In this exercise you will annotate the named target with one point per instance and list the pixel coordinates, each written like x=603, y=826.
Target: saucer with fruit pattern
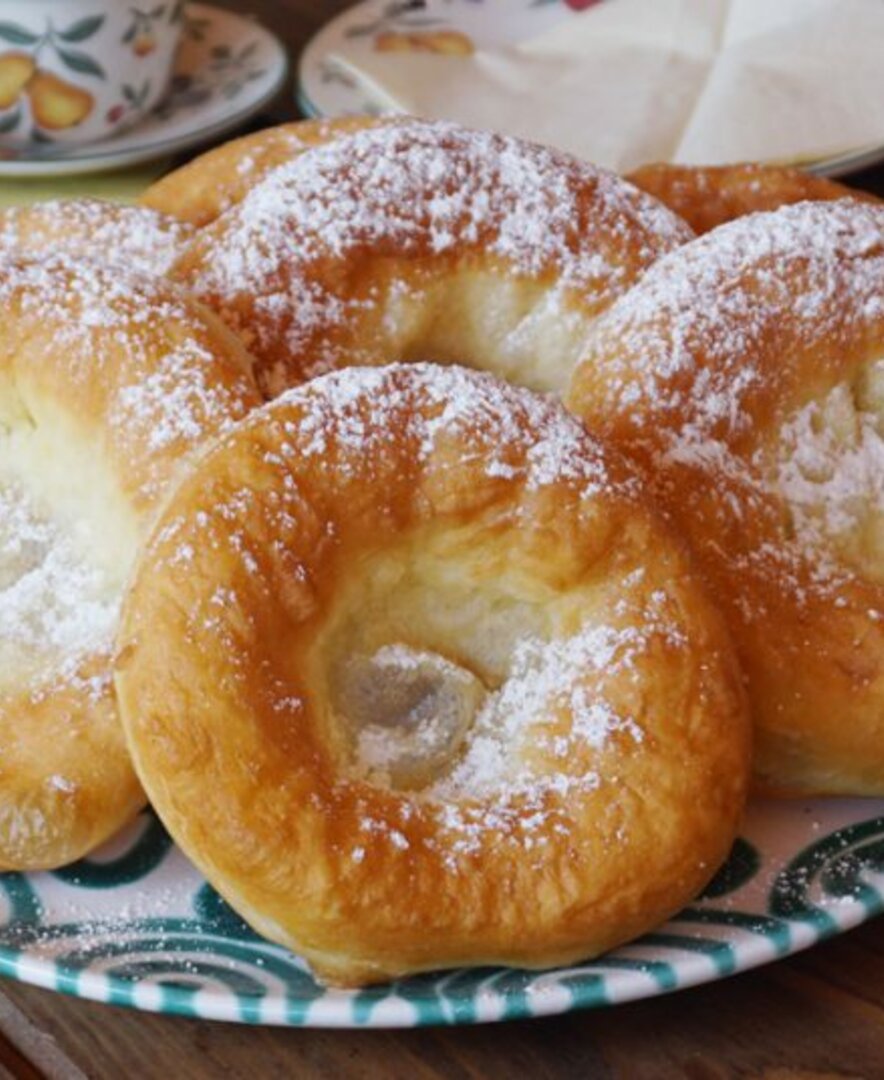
x=227, y=68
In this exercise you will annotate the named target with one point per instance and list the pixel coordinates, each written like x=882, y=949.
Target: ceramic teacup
x=76, y=71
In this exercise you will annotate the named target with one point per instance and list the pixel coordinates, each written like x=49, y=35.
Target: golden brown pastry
x=140, y=239
x=204, y=188
x=426, y=241
x=745, y=373
x=417, y=678
x=108, y=381
x=708, y=196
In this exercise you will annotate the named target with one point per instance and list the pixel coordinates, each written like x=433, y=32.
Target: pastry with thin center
x=426, y=241
x=745, y=374
x=108, y=383
x=418, y=679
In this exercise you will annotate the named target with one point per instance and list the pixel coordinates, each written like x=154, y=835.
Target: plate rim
x=329, y=1014
x=393, y=1006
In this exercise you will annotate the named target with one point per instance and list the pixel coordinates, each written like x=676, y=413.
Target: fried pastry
x=426, y=241
x=418, y=679
x=708, y=196
x=139, y=239
x=744, y=373
x=204, y=188
x=109, y=381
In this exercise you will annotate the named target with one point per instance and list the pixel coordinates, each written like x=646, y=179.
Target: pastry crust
x=108, y=382
x=426, y=241
x=708, y=196
x=571, y=766
x=140, y=239
x=745, y=373
x=204, y=188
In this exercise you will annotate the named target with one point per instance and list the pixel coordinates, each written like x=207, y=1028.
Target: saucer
x=228, y=67
x=327, y=87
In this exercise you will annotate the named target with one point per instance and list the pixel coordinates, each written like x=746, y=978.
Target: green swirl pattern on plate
x=136, y=925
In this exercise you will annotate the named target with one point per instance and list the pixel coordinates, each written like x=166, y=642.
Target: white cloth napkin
x=631, y=81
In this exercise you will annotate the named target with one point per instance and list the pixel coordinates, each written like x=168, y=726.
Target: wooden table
x=815, y=1016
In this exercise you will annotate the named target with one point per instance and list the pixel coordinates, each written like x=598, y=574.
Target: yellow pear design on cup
x=56, y=104
x=77, y=72
x=16, y=69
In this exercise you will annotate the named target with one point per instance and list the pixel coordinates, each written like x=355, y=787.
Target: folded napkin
x=629, y=81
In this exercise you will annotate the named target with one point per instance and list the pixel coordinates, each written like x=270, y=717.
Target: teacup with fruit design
x=77, y=71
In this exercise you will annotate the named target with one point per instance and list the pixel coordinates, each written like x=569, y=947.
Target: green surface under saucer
x=119, y=186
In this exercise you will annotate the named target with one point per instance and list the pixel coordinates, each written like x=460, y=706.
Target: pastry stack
x=439, y=532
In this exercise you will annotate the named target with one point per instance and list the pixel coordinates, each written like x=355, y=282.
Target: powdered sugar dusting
x=735, y=319
x=529, y=436
x=54, y=602
x=140, y=338
x=414, y=189
x=78, y=293
x=138, y=354
x=179, y=399
x=527, y=752
x=535, y=745
x=547, y=678
x=136, y=237
x=701, y=316
x=484, y=758
x=831, y=474
x=350, y=422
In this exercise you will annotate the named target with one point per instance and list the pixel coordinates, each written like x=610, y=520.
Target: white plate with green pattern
x=136, y=925
x=227, y=68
